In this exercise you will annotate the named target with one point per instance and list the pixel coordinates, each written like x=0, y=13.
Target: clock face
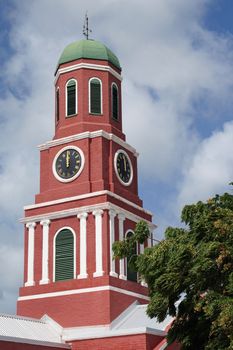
x=123, y=167
x=68, y=164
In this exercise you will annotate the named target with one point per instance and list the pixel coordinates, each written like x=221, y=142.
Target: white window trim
x=89, y=96
x=126, y=267
x=76, y=98
x=54, y=249
x=57, y=116
x=118, y=118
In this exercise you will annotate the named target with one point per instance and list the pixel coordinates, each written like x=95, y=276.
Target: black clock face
x=68, y=163
x=123, y=167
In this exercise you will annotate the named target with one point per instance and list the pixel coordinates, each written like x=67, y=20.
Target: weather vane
x=86, y=29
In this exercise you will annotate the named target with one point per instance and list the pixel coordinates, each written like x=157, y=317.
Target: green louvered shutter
x=131, y=273
x=64, y=259
x=114, y=102
x=71, y=98
x=95, y=97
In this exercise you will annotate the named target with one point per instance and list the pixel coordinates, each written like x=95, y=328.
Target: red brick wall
x=129, y=342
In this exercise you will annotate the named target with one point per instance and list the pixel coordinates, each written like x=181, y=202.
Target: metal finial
x=86, y=29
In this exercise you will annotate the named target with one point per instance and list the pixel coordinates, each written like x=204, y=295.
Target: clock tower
x=88, y=199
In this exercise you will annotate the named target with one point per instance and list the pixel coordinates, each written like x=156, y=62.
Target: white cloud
x=211, y=169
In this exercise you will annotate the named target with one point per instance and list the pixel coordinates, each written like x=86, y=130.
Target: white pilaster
x=45, y=252
x=149, y=240
x=31, y=238
x=83, y=245
x=98, y=243
x=112, y=215
x=121, y=218
x=142, y=248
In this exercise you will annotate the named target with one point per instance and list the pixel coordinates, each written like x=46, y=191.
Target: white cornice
x=85, y=135
x=104, y=332
x=82, y=291
x=33, y=342
x=84, y=196
x=88, y=209
x=87, y=66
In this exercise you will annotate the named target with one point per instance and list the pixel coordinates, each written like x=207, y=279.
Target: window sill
x=96, y=114
x=72, y=115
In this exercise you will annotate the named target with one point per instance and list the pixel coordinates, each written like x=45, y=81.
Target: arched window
x=57, y=105
x=130, y=271
x=71, y=97
x=95, y=96
x=115, y=102
x=64, y=255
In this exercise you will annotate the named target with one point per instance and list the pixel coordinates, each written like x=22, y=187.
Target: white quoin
x=98, y=243
x=45, y=252
x=30, y=268
x=121, y=218
x=83, y=245
x=112, y=215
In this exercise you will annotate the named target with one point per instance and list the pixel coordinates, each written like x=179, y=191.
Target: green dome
x=88, y=49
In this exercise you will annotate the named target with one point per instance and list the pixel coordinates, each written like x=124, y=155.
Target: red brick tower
x=88, y=199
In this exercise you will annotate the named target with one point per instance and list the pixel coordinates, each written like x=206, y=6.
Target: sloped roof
x=30, y=330
x=136, y=317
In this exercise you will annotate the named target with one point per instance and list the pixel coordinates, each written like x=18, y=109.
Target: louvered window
x=95, y=96
x=114, y=102
x=57, y=105
x=64, y=255
x=71, y=99
x=131, y=273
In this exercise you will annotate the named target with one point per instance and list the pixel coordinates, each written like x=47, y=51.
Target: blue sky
x=177, y=60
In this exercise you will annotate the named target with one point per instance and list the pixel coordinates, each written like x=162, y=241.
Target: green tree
x=190, y=274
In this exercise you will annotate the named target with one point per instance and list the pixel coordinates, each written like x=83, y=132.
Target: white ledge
x=91, y=135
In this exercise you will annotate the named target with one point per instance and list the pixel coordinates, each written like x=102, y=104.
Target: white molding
x=83, y=245
x=89, y=97
x=112, y=213
x=45, y=252
x=82, y=333
x=31, y=254
x=84, y=196
x=91, y=135
x=87, y=66
x=80, y=169
x=83, y=291
x=75, y=211
x=54, y=249
x=33, y=342
x=98, y=243
x=130, y=164
x=76, y=99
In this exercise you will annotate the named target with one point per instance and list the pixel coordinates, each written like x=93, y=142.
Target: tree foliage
x=190, y=275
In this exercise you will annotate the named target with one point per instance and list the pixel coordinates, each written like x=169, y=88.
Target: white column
x=45, y=252
x=112, y=215
x=83, y=245
x=142, y=248
x=149, y=239
x=31, y=237
x=121, y=218
x=98, y=243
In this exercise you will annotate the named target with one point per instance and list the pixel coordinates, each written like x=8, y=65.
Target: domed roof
x=88, y=49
